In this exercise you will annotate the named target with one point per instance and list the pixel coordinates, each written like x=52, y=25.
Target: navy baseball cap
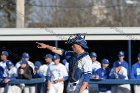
x=56, y=56
x=37, y=64
x=9, y=63
x=25, y=55
x=93, y=54
x=118, y=63
x=138, y=55
x=105, y=61
x=121, y=53
x=49, y=56
x=5, y=53
x=23, y=62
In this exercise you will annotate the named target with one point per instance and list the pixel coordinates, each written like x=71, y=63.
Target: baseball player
x=103, y=73
x=26, y=72
x=80, y=63
x=2, y=85
x=4, y=58
x=93, y=88
x=25, y=56
x=38, y=74
x=119, y=72
x=11, y=74
x=57, y=74
x=135, y=73
x=121, y=56
x=44, y=67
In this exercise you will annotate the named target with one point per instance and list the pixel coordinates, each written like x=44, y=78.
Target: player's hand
x=117, y=70
x=41, y=45
x=21, y=71
x=56, y=81
x=48, y=88
x=6, y=80
x=96, y=76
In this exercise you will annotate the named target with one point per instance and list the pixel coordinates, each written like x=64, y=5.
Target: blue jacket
x=103, y=74
x=135, y=71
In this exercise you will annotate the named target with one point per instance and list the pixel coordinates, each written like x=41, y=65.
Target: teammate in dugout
x=121, y=56
x=80, y=63
x=4, y=58
x=93, y=88
x=119, y=72
x=103, y=73
x=57, y=74
x=135, y=73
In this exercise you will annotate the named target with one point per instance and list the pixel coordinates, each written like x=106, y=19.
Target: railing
x=100, y=81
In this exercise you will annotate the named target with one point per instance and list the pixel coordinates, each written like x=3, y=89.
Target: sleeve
x=41, y=75
x=87, y=70
x=65, y=73
x=111, y=74
x=14, y=74
x=123, y=75
x=132, y=73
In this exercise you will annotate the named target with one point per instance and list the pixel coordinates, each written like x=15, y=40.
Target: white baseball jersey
x=96, y=65
x=11, y=73
x=57, y=71
x=3, y=64
x=29, y=63
x=44, y=68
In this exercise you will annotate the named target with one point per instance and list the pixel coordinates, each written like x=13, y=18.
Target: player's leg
x=15, y=89
x=2, y=90
x=124, y=88
x=52, y=89
x=137, y=88
x=60, y=87
x=32, y=89
x=26, y=89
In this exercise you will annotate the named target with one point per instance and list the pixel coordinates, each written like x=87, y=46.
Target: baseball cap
x=9, y=63
x=5, y=53
x=121, y=53
x=105, y=61
x=37, y=65
x=23, y=61
x=93, y=54
x=25, y=55
x=56, y=56
x=118, y=63
x=49, y=56
x=138, y=55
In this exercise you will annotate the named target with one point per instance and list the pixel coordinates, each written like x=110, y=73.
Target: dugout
x=105, y=41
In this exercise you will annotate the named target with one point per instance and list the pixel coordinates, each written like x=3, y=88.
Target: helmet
x=77, y=39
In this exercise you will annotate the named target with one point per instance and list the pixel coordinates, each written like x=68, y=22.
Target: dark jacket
x=28, y=73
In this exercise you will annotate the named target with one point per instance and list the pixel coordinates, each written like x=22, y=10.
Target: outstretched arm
x=51, y=48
